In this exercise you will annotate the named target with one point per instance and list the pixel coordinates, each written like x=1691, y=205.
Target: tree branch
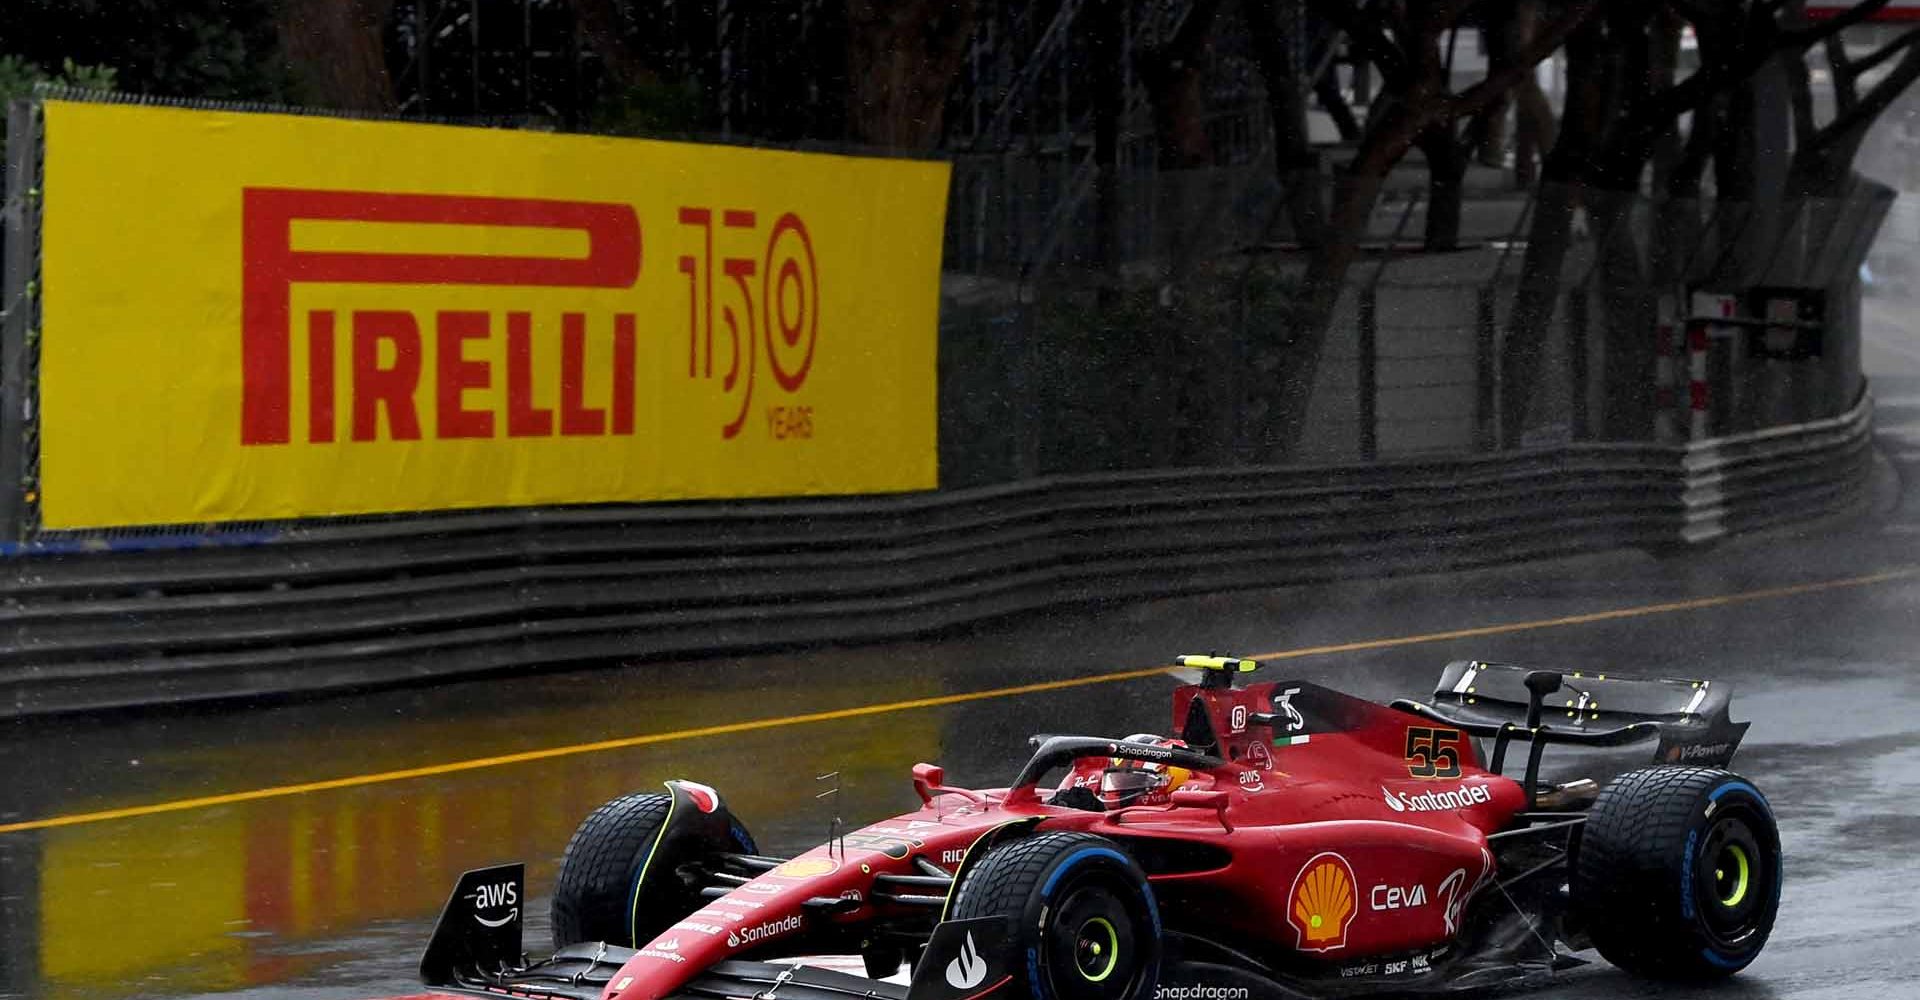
x=1690, y=12
x=1883, y=53
x=1362, y=28
x=1193, y=29
x=1804, y=38
x=1877, y=98
x=1542, y=45
x=1845, y=85
x=1690, y=93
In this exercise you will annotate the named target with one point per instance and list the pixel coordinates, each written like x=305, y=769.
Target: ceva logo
x=967, y=969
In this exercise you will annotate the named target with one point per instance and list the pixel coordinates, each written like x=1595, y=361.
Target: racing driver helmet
x=1125, y=782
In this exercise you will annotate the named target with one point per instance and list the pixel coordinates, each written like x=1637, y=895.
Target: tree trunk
x=901, y=59
x=1446, y=171
x=1487, y=137
x=1551, y=233
x=1356, y=192
x=1171, y=73
x=601, y=25
x=336, y=52
x=1663, y=59
x=1294, y=160
x=1103, y=43
x=1627, y=325
x=1327, y=89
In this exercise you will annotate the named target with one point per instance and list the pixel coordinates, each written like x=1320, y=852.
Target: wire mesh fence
x=1125, y=318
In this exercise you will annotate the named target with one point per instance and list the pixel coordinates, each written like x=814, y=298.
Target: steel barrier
x=377, y=602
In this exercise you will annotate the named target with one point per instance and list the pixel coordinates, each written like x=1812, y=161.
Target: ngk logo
x=752, y=291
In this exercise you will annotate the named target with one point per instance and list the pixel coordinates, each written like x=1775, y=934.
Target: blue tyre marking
x=1686, y=876
x=1744, y=787
x=1074, y=858
x=1736, y=964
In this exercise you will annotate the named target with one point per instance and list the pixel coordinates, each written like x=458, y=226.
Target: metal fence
x=1165, y=347
x=341, y=605
x=1106, y=432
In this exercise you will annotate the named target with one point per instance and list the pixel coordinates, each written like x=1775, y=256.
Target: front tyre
x=618, y=880
x=1678, y=874
x=1079, y=907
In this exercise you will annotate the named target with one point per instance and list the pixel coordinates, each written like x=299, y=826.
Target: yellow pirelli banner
x=253, y=317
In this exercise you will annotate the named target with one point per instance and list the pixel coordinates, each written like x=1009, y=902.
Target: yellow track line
x=753, y=725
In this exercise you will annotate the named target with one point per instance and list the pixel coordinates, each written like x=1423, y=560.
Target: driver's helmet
x=1125, y=782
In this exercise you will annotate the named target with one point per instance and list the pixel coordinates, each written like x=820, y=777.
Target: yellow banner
x=251, y=317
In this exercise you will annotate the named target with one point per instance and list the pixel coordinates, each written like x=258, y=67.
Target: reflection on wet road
x=328, y=891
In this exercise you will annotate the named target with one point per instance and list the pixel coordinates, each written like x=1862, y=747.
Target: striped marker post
x=1707, y=307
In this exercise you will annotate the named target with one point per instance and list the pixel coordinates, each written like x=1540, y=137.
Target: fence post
x=1486, y=394
x=1666, y=309
x=1369, y=375
x=1581, y=423
x=19, y=309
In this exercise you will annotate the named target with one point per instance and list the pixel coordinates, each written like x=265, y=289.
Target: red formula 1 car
x=1287, y=840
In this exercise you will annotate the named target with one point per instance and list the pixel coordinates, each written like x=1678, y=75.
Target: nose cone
x=770, y=912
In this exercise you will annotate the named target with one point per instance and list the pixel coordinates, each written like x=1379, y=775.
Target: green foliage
x=18, y=77
x=653, y=108
x=222, y=49
x=1085, y=379
x=1162, y=377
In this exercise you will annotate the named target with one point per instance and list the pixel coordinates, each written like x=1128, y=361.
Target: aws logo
x=1322, y=903
x=492, y=897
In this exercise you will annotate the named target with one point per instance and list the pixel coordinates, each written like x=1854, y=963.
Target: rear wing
x=1545, y=707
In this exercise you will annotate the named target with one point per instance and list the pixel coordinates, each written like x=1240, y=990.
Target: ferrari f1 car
x=1287, y=840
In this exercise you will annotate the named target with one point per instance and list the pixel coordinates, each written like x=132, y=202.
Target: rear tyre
x=618, y=881
x=1678, y=874
x=1082, y=914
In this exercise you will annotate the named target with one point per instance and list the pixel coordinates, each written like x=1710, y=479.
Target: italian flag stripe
x=1293, y=741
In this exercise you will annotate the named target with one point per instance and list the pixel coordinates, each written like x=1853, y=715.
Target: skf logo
x=767, y=303
x=1322, y=903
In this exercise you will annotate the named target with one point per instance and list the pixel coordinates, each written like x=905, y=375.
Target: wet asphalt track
x=328, y=893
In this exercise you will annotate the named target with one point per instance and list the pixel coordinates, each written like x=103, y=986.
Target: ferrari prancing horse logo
x=1322, y=903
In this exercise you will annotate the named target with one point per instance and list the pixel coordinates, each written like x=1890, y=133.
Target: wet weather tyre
x=612, y=887
x=1678, y=873
x=1082, y=914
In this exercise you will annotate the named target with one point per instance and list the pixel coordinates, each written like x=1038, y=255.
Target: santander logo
x=967, y=969
x=1442, y=800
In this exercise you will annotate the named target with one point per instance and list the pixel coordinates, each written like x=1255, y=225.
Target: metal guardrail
x=329, y=606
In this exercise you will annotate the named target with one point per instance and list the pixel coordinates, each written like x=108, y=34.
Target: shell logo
x=807, y=868
x=1322, y=903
